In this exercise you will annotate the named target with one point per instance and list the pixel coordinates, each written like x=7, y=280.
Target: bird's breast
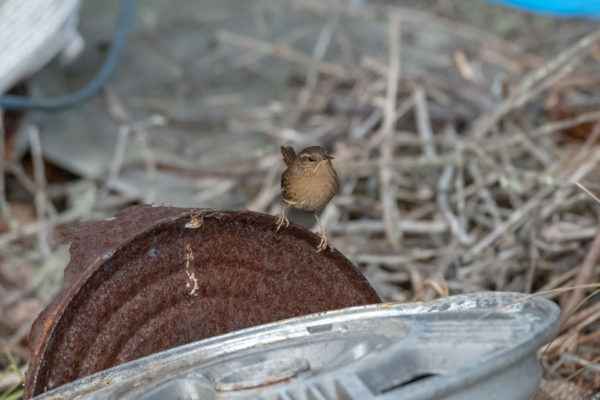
x=309, y=191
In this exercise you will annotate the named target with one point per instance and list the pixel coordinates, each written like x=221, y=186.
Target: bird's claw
x=323, y=244
x=282, y=220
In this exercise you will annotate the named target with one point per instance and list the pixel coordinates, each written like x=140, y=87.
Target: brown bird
x=308, y=183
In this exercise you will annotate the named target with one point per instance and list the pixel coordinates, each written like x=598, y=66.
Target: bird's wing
x=289, y=155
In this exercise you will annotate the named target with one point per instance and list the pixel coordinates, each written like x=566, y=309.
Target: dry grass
x=459, y=152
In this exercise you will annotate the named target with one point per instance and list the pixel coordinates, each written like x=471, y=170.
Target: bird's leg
x=323, y=244
x=282, y=219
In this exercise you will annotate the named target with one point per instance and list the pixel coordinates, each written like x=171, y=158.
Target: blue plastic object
x=562, y=8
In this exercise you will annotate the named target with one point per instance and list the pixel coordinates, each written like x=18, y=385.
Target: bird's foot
x=323, y=244
x=282, y=220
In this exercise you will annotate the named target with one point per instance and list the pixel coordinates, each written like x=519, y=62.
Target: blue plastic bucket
x=563, y=8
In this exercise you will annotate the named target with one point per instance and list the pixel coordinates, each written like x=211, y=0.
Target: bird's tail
x=289, y=155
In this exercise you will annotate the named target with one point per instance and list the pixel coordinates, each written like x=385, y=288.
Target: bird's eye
x=311, y=159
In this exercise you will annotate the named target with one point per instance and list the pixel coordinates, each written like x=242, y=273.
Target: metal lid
x=461, y=347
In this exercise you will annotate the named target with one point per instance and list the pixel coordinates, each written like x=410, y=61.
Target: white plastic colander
x=33, y=32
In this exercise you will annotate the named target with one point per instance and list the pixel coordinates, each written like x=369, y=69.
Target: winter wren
x=308, y=183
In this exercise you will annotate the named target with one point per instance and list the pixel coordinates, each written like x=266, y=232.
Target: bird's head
x=312, y=158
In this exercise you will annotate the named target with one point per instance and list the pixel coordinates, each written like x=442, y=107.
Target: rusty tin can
x=154, y=278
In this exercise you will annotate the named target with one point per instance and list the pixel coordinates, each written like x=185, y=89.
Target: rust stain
x=192, y=281
x=144, y=381
x=195, y=221
x=47, y=326
x=123, y=296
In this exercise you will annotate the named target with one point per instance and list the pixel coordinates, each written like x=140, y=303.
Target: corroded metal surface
x=158, y=277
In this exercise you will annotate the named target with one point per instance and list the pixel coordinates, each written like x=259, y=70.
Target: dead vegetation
x=460, y=144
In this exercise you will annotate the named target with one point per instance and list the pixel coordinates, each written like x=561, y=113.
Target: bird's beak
x=329, y=157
